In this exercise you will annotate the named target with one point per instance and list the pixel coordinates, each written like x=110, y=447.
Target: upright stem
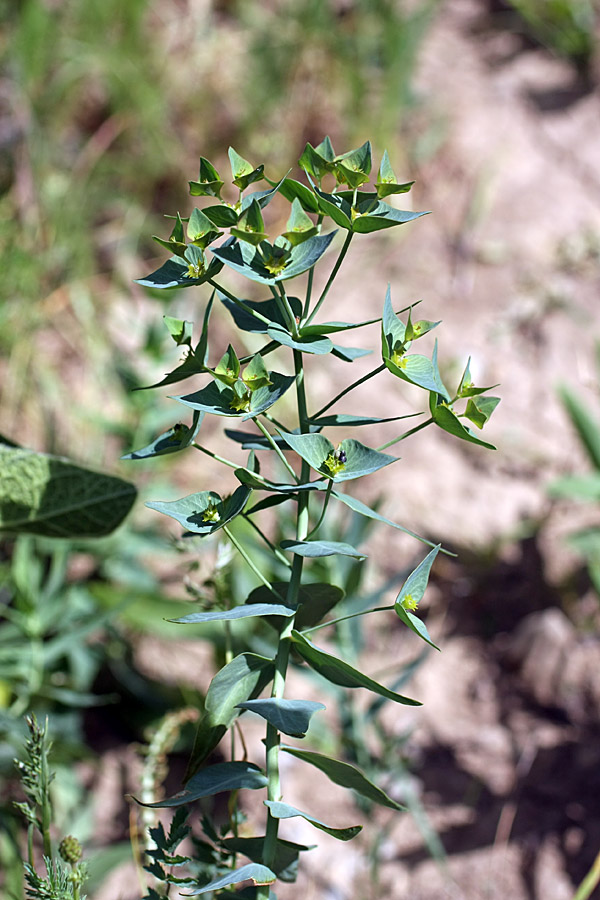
x=336, y=268
x=283, y=649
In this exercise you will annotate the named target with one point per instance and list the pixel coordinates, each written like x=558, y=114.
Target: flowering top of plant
x=302, y=466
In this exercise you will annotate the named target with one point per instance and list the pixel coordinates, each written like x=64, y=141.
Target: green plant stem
x=238, y=302
x=406, y=434
x=365, y=612
x=251, y=564
x=226, y=462
x=347, y=390
x=46, y=807
x=336, y=269
x=283, y=649
x=309, y=286
x=270, y=544
x=277, y=449
x=590, y=882
x=288, y=311
x=323, y=511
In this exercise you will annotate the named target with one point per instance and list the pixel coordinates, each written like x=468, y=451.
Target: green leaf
x=479, y=409
x=345, y=775
x=209, y=182
x=253, y=871
x=586, y=426
x=176, y=438
x=332, y=327
x=264, y=484
x=292, y=190
x=382, y=216
x=205, y=512
x=228, y=776
x=339, y=672
x=350, y=460
x=223, y=216
x=310, y=344
x=577, y=487
x=299, y=225
x=393, y=328
x=242, y=171
x=175, y=273
x=289, y=716
x=180, y=330
x=415, y=624
x=412, y=591
x=250, y=261
x=336, y=208
x=386, y=180
x=285, y=864
x=51, y=496
x=315, y=600
x=255, y=374
x=314, y=549
x=201, y=230
x=445, y=417
x=318, y=161
x=243, y=678
x=250, y=226
x=238, y=612
x=345, y=420
x=176, y=243
x=362, y=509
x=284, y=811
x=349, y=354
x=227, y=369
x=270, y=309
x=222, y=401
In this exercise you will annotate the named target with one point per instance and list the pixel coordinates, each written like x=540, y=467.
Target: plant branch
x=275, y=550
x=262, y=578
x=365, y=612
x=277, y=449
x=323, y=511
x=331, y=278
x=405, y=435
x=347, y=390
x=238, y=302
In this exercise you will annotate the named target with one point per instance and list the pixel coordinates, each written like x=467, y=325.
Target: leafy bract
x=269, y=309
x=259, y=263
x=228, y=776
x=349, y=460
x=204, y=512
x=289, y=716
x=339, y=672
x=195, y=361
x=51, y=496
x=386, y=180
x=314, y=343
x=349, y=354
x=321, y=548
x=179, y=273
x=252, y=872
x=345, y=775
x=176, y=438
x=285, y=811
x=221, y=400
x=444, y=416
x=411, y=593
x=243, y=172
x=209, y=182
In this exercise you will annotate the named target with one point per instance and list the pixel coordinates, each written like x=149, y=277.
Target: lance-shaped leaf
x=310, y=344
x=345, y=420
x=318, y=161
x=266, y=265
x=387, y=182
x=345, y=775
x=299, y=226
x=224, y=401
x=315, y=549
x=243, y=678
x=228, y=776
x=263, y=198
x=181, y=273
x=466, y=388
x=209, y=182
x=263, y=484
x=349, y=354
x=259, y=874
x=339, y=672
x=444, y=416
x=336, y=207
x=250, y=226
x=176, y=243
x=367, y=219
x=285, y=811
x=53, y=497
x=227, y=369
x=242, y=171
x=362, y=509
x=285, y=864
x=479, y=409
x=350, y=459
x=268, y=309
x=289, y=716
x=332, y=327
x=238, y=612
x=176, y=438
x=201, y=230
x=411, y=593
x=223, y=216
x=205, y=512
x=314, y=601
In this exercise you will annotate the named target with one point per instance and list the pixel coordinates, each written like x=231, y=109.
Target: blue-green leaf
x=349, y=460
x=252, y=872
x=284, y=811
x=247, y=260
x=383, y=216
x=315, y=600
x=362, y=509
x=333, y=327
x=285, y=864
x=176, y=438
x=175, y=274
x=345, y=775
x=345, y=420
x=220, y=400
x=204, y=512
x=339, y=672
x=309, y=344
x=270, y=309
x=447, y=420
x=292, y=190
x=321, y=548
x=479, y=409
x=289, y=716
x=415, y=624
x=228, y=776
x=238, y=612
x=349, y=354
x=411, y=593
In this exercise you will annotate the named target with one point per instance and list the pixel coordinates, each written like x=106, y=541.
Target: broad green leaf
x=310, y=344
x=339, y=672
x=321, y=548
x=412, y=591
x=250, y=261
x=223, y=401
x=228, y=776
x=243, y=172
x=445, y=417
x=51, y=496
x=386, y=180
x=586, y=426
x=252, y=872
x=415, y=624
x=336, y=208
x=479, y=409
x=243, y=678
x=293, y=190
x=201, y=229
x=349, y=460
x=255, y=374
x=317, y=161
x=269, y=309
x=238, y=612
x=204, y=512
x=314, y=601
x=345, y=775
x=349, y=354
x=383, y=216
x=285, y=811
x=362, y=509
x=180, y=330
x=299, y=225
x=227, y=369
x=285, y=864
x=209, y=182
x=176, y=438
x=250, y=226
x=417, y=370
x=289, y=716
x=175, y=273
x=222, y=216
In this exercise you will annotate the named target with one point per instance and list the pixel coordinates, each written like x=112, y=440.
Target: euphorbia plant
x=314, y=467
